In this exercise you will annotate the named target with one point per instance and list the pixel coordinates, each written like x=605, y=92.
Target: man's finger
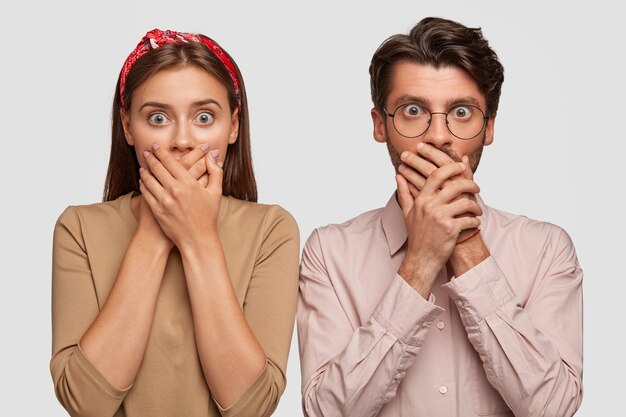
x=412, y=176
x=438, y=157
x=418, y=163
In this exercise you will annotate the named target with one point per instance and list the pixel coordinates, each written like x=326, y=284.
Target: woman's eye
x=412, y=110
x=462, y=112
x=205, y=118
x=157, y=119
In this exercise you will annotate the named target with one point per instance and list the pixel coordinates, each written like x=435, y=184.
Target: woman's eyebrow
x=165, y=106
x=155, y=104
x=206, y=101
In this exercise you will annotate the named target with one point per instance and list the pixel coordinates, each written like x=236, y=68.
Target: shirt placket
x=444, y=385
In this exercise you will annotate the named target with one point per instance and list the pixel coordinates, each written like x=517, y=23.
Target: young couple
x=177, y=295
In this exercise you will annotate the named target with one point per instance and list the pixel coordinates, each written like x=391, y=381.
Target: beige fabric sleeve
x=80, y=388
x=270, y=308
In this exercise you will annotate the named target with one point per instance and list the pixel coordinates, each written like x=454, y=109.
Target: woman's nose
x=182, y=140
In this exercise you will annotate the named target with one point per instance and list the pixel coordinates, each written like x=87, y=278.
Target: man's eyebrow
x=463, y=100
x=165, y=106
x=407, y=98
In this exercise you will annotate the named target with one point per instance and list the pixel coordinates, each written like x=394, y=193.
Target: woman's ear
x=234, y=127
x=126, y=126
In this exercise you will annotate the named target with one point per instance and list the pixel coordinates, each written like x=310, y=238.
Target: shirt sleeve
x=270, y=309
x=531, y=354
x=79, y=386
x=348, y=371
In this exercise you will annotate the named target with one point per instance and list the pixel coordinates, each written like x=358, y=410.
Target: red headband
x=156, y=38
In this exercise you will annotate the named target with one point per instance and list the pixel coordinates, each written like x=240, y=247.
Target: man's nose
x=438, y=134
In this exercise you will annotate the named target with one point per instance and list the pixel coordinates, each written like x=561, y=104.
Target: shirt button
x=426, y=324
x=459, y=303
x=398, y=377
x=443, y=389
x=441, y=325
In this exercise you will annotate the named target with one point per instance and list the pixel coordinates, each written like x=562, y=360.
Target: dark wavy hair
x=123, y=171
x=440, y=43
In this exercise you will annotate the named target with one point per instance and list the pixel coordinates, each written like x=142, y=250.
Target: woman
x=177, y=295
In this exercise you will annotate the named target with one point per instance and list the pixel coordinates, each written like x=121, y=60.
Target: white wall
x=557, y=155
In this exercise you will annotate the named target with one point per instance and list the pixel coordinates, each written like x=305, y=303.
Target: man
x=438, y=305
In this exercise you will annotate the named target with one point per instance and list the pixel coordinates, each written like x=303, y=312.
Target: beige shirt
x=261, y=245
x=503, y=339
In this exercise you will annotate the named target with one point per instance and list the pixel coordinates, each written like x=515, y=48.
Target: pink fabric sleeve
x=532, y=354
x=350, y=370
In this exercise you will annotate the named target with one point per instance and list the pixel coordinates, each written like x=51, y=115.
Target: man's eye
x=461, y=112
x=412, y=110
x=204, y=117
x=157, y=119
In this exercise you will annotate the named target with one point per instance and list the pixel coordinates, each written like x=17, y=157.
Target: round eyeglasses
x=464, y=121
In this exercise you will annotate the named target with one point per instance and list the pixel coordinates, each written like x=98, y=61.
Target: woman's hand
x=185, y=209
x=194, y=162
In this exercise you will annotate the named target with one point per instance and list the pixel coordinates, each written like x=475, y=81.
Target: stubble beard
x=474, y=157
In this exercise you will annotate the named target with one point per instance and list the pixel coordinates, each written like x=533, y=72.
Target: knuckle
x=168, y=201
x=439, y=174
x=448, y=227
x=427, y=206
x=176, y=192
x=439, y=217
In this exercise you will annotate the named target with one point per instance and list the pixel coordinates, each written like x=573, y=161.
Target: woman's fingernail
x=204, y=147
x=214, y=153
x=420, y=145
x=155, y=146
x=140, y=170
x=404, y=155
x=145, y=154
x=220, y=164
x=462, y=165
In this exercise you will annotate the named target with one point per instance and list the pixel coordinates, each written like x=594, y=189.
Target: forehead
x=180, y=84
x=436, y=86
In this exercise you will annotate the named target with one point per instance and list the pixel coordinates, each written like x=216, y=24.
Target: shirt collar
x=393, y=225
x=395, y=228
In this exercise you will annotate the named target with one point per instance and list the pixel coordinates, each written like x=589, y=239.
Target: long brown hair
x=123, y=171
x=440, y=43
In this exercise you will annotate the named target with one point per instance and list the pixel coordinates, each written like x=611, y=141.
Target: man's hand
x=417, y=167
x=414, y=172
x=434, y=217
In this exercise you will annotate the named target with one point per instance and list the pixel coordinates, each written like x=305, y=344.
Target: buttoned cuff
x=404, y=313
x=480, y=291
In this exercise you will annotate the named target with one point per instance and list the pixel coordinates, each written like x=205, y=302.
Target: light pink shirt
x=503, y=339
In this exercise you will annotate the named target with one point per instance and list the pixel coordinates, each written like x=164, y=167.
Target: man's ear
x=234, y=128
x=126, y=126
x=489, y=130
x=378, y=120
